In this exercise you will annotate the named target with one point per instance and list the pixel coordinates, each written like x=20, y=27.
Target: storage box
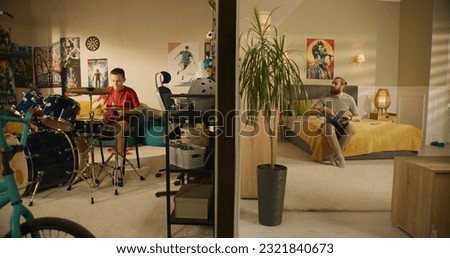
x=197, y=135
x=187, y=156
x=193, y=201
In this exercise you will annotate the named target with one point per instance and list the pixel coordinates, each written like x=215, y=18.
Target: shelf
x=191, y=117
x=209, y=221
x=174, y=168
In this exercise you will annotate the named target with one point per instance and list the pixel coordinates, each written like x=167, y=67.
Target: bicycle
x=9, y=193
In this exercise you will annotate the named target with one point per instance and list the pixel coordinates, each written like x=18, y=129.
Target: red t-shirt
x=126, y=97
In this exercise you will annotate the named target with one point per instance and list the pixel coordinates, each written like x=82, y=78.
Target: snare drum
x=60, y=112
x=30, y=100
x=83, y=127
x=52, y=153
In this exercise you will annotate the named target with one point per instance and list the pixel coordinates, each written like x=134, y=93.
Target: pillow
x=85, y=109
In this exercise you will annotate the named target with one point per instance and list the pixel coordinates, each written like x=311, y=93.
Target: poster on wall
x=6, y=75
x=21, y=60
x=183, y=57
x=320, y=59
x=98, y=72
x=47, y=66
x=5, y=40
x=70, y=63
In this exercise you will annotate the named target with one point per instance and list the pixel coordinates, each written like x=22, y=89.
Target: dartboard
x=92, y=43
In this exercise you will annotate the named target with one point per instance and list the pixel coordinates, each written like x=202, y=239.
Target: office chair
x=166, y=104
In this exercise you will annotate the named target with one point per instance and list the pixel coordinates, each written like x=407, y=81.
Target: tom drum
x=30, y=100
x=60, y=112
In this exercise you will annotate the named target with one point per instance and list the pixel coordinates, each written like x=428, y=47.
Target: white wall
x=438, y=98
x=134, y=34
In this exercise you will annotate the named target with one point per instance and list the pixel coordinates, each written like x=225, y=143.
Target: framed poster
x=70, y=63
x=47, y=66
x=98, y=73
x=6, y=76
x=320, y=59
x=182, y=58
x=5, y=40
x=21, y=60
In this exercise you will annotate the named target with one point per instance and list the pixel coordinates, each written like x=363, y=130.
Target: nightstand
x=391, y=117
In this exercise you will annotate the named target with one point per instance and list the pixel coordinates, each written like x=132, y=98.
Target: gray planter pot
x=271, y=189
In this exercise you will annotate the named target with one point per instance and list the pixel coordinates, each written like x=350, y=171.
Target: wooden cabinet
x=254, y=151
x=421, y=196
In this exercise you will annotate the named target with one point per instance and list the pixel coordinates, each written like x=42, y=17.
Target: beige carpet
x=135, y=212
x=363, y=185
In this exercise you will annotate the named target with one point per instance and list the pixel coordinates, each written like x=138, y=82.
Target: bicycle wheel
x=50, y=227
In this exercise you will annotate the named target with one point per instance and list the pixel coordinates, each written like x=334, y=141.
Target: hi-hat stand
x=87, y=174
x=118, y=172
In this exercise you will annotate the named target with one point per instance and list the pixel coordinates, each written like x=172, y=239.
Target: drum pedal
x=36, y=187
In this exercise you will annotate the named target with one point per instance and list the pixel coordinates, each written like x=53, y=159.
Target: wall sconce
x=265, y=18
x=382, y=100
x=359, y=59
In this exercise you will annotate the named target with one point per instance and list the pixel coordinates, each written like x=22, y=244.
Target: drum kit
x=61, y=150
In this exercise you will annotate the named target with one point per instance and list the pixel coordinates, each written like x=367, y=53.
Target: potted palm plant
x=269, y=85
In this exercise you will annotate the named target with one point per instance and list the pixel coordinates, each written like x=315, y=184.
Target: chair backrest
x=162, y=91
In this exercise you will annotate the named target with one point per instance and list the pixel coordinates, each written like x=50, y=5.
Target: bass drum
x=51, y=153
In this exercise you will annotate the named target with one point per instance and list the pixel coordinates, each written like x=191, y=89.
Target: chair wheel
x=177, y=182
x=158, y=174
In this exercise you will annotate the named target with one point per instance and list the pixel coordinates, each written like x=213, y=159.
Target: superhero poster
x=320, y=59
x=97, y=73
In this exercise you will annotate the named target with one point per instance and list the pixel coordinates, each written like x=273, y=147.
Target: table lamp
x=382, y=100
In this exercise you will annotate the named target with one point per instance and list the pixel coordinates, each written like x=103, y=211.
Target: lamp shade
x=382, y=100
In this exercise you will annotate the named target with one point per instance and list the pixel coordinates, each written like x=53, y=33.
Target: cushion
x=84, y=110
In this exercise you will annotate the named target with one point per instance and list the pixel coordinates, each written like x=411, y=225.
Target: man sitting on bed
x=339, y=108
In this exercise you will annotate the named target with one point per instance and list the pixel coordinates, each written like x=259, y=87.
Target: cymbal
x=89, y=91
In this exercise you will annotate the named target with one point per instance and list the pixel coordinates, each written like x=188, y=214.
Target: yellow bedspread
x=370, y=136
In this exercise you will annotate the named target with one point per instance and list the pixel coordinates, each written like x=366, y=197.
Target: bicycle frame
x=8, y=186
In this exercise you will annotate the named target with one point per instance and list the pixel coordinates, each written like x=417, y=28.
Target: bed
x=373, y=139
